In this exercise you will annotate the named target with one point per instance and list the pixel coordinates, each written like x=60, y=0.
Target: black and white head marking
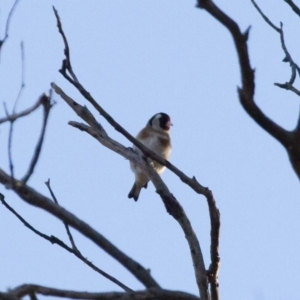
x=162, y=120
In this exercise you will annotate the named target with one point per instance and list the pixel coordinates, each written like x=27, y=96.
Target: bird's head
x=160, y=121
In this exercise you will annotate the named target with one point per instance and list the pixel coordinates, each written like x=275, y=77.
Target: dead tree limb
x=288, y=139
x=74, y=250
x=151, y=294
x=32, y=197
x=68, y=73
x=172, y=205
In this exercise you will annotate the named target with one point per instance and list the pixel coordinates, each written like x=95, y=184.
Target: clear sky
x=138, y=58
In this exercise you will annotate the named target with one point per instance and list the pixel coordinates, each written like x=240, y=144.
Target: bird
x=155, y=136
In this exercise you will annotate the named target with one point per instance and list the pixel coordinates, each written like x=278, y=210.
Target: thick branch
x=68, y=73
x=152, y=294
x=189, y=181
x=34, y=198
x=170, y=202
x=54, y=240
x=294, y=7
x=246, y=92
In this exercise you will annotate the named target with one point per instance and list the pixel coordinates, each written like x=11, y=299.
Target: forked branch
x=32, y=197
x=172, y=205
x=289, y=139
x=54, y=240
x=69, y=74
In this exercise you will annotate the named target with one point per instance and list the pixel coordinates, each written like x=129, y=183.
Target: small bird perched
x=156, y=137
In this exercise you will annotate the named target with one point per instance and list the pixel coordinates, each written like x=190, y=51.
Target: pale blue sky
x=138, y=58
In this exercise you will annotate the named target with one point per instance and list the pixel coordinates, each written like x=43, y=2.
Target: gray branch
x=151, y=294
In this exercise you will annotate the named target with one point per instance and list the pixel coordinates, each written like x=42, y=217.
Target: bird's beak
x=169, y=124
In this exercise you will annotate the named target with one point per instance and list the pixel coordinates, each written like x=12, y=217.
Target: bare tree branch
x=22, y=78
x=294, y=67
x=15, y=116
x=66, y=225
x=172, y=205
x=291, y=140
x=246, y=92
x=9, y=150
x=32, y=197
x=289, y=87
x=46, y=101
x=7, y=296
x=294, y=7
x=8, y=24
x=214, y=213
x=265, y=17
x=151, y=294
x=78, y=254
x=54, y=240
x=10, y=135
x=288, y=58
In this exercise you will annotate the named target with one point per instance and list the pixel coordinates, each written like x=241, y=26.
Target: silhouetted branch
x=36, y=199
x=265, y=17
x=51, y=239
x=291, y=139
x=246, y=92
x=9, y=146
x=69, y=74
x=11, y=125
x=15, y=116
x=294, y=7
x=66, y=225
x=54, y=240
x=172, y=205
x=46, y=101
x=7, y=25
x=151, y=294
x=289, y=87
x=288, y=58
x=294, y=67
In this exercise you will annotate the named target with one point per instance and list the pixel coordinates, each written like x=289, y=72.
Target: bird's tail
x=135, y=191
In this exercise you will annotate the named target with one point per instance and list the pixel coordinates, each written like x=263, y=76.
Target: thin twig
x=54, y=240
x=287, y=86
x=288, y=58
x=46, y=101
x=14, y=117
x=9, y=146
x=22, y=78
x=66, y=225
x=66, y=62
x=265, y=17
x=10, y=134
x=7, y=25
